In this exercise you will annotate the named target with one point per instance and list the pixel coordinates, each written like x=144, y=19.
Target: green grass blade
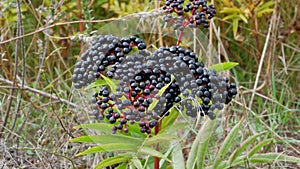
x=272, y=157
x=243, y=146
x=258, y=147
x=200, y=145
x=106, y=139
x=226, y=144
x=113, y=147
x=177, y=157
x=121, y=158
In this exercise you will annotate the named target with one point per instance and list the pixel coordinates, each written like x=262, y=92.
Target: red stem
x=179, y=38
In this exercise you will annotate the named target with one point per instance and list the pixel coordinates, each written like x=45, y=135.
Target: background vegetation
x=40, y=42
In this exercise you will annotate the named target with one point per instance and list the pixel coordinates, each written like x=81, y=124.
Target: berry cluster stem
x=179, y=38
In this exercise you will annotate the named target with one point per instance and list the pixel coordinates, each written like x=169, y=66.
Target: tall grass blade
x=200, y=145
x=227, y=143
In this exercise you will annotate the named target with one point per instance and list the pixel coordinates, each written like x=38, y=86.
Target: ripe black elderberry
x=192, y=14
x=105, y=53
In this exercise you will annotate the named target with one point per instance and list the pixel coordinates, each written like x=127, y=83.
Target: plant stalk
x=156, y=159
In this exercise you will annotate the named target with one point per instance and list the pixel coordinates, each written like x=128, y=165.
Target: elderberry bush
x=193, y=13
x=150, y=84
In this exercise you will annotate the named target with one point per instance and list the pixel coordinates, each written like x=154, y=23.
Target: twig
x=42, y=61
x=43, y=93
x=20, y=44
x=76, y=22
x=261, y=62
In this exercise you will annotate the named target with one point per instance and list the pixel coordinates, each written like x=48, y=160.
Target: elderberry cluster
x=210, y=88
x=192, y=14
x=106, y=51
x=150, y=84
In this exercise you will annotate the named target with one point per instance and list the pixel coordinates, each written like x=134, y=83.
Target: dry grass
x=39, y=108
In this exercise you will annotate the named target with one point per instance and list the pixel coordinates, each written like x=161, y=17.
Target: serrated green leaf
x=177, y=157
x=121, y=158
x=152, y=152
x=223, y=66
x=103, y=127
x=110, y=83
x=243, y=146
x=113, y=147
x=258, y=147
x=227, y=143
x=200, y=145
x=106, y=139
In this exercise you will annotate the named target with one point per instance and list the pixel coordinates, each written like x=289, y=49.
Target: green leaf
x=152, y=152
x=106, y=139
x=122, y=166
x=227, y=143
x=103, y=127
x=259, y=158
x=265, y=6
x=200, y=145
x=243, y=146
x=121, y=158
x=176, y=126
x=230, y=10
x=223, y=66
x=137, y=163
x=258, y=147
x=110, y=83
x=160, y=93
x=160, y=138
x=243, y=18
x=271, y=157
x=233, y=16
x=113, y=147
x=97, y=83
x=235, y=25
x=170, y=119
x=265, y=11
x=177, y=157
